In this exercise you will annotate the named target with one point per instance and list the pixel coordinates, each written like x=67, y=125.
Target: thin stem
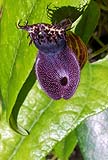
x=54, y=158
x=104, y=7
x=98, y=40
x=106, y=28
x=98, y=51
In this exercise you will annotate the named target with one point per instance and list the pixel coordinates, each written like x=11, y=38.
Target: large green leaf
x=50, y=121
x=88, y=21
x=17, y=58
x=47, y=121
x=93, y=137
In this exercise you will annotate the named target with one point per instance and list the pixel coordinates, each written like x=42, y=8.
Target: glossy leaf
x=50, y=121
x=88, y=21
x=17, y=58
x=93, y=137
x=47, y=121
x=20, y=98
x=64, y=148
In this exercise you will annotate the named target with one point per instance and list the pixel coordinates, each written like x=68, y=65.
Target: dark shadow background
x=56, y=14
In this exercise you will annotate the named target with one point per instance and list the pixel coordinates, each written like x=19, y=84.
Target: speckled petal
x=58, y=74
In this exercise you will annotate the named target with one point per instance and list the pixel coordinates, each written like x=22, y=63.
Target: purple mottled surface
x=58, y=74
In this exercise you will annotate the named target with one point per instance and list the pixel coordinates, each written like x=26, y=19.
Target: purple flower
x=58, y=74
x=57, y=68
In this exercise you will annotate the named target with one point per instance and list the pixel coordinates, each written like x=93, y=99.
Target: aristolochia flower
x=57, y=67
x=59, y=74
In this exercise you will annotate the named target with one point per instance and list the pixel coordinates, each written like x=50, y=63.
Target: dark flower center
x=64, y=81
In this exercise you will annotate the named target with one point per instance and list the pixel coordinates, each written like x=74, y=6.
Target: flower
x=58, y=74
x=60, y=58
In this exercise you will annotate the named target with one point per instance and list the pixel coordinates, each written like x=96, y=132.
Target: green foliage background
x=51, y=123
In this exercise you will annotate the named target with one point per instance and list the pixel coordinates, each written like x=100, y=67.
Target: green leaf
x=93, y=137
x=17, y=58
x=21, y=96
x=47, y=121
x=88, y=21
x=64, y=148
x=50, y=121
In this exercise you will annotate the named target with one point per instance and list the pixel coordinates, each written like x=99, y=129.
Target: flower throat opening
x=64, y=81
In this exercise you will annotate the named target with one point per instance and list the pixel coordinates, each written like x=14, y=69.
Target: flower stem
x=98, y=51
